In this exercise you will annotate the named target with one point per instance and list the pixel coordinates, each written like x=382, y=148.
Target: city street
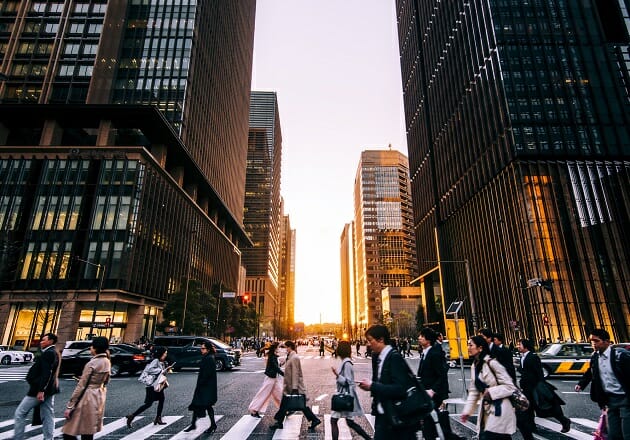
x=236, y=389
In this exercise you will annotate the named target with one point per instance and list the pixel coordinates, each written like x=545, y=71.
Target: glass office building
x=163, y=54
x=518, y=127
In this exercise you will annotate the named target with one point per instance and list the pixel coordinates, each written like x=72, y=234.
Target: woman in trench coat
x=488, y=394
x=84, y=411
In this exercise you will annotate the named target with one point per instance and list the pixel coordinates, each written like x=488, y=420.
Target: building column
x=159, y=151
x=191, y=190
x=69, y=320
x=105, y=134
x=4, y=134
x=178, y=174
x=135, y=316
x=51, y=133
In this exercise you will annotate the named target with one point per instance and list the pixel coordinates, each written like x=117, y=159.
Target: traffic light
x=246, y=298
x=545, y=319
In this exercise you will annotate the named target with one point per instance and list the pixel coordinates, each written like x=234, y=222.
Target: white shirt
x=607, y=375
x=523, y=355
x=381, y=359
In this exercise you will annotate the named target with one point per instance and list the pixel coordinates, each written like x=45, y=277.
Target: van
x=185, y=351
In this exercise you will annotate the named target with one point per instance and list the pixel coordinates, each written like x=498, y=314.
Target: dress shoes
x=276, y=425
x=190, y=428
x=130, y=418
x=314, y=424
x=566, y=426
x=255, y=414
x=211, y=429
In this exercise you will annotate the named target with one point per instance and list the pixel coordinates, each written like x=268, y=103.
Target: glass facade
x=518, y=123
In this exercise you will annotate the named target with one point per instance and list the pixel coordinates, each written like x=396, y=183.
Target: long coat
x=500, y=386
x=43, y=375
x=433, y=373
x=206, y=389
x=345, y=383
x=293, y=379
x=87, y=418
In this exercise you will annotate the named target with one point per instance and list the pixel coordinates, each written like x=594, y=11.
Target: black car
x=123, y=361
x=186, y=353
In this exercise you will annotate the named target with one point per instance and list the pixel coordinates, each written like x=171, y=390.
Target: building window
x=46, y=261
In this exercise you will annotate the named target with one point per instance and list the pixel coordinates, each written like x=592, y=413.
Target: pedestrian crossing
x=13, y=373
x=294, y=427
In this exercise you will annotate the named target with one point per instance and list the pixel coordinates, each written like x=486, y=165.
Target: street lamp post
x=100, y=271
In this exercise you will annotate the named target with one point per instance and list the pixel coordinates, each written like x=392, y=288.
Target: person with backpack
x=609, y=376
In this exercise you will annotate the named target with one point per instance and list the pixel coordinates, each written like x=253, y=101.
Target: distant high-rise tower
x=263, y=206
x=518, y=129
x=123, y=147
x=286, y=289
x=384, y=246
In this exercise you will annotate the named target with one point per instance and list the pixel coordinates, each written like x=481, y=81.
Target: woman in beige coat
x=84, y=411
x=488, y=394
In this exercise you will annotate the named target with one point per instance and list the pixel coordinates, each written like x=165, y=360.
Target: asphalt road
x=236, y=389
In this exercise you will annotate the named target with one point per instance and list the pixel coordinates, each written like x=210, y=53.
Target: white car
x=8, y=356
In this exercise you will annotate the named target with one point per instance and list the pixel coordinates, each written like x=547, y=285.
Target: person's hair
x=51, y=337
x=479, y=341
x=209, y=346
x=500, y=337
x=290, y=344
x=378, y=332
x=100, y=344
x=271, y=351
x=158, y=352
x=485, y=332
x=429, y=334
x=344, y=350
x=601, y=334
x=527, y=344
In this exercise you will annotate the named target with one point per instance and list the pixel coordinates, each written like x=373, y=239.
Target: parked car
x=624, y=345
x=185, y=351
x=8, y=356
x=73, y=347
x=563, y=358
x=123, y=361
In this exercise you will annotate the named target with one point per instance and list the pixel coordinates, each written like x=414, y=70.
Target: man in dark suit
x=498, y=351
x=532, y=377
x=43, y=384
x=609, y=371
x=390, y=379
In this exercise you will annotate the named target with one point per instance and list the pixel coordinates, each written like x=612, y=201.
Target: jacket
x=272, y=369
x=500, y=386
x=539, y=392
x=620, y=363
x=87, y=417
x=293, y=379
x=205, y=393
x=433, y=374
x=394, y=380
x=43, y=375
x=504, y=356
x=346, y=384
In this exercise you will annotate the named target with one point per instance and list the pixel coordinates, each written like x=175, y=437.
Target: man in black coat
x=390, y=379
x=43, y=384
x=609, y=388
x=205, y=395
x=498, y=351
x=532, y=380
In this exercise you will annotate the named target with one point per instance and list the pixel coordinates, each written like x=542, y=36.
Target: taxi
x=565, y=358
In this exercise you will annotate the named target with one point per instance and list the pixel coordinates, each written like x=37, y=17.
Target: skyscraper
x=263, y=206
x=142, y=221
x=384, y=244
x=518, y=128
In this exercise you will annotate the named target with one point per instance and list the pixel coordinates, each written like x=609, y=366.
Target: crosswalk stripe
x=321, y=397
x=344, y=431
x=151, y=429
x=202, y=425
x=6, y=423
x=56, y=433
x=292, y=427
x=113, y=426
x=29, y=428
x=573, y=433
x=242, y=429
x=370, y=418
x=586, y=422
x=315, y=409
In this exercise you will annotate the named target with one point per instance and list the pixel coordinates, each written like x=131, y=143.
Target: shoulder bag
x=518, y=399
x=411, y=410
x=343, y=401
x=146, y=378
x=295, y=402
x=160, y=383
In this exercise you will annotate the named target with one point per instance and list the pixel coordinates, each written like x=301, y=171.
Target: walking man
x=43, y=384
x=609, y=373
x=293, y=384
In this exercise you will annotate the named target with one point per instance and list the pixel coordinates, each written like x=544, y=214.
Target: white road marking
x=556, y=427
x=151, y=429
x=292, y=427
x=29, y=428
x=321, y=397
x=202, y=425
x=344, y=430
x=114, y=426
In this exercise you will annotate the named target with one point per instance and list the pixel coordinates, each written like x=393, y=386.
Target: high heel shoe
x=130, y=418
x=191, y=428
x=211, y=429
x=158, y=421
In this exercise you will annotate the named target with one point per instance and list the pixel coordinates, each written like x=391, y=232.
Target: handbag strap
x=346, y=385
x=84, y=389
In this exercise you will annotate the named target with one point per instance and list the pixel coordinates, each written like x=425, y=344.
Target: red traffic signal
x=246, y=298
x=545, y=319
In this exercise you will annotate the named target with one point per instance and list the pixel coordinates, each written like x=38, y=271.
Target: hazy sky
x=334, y=65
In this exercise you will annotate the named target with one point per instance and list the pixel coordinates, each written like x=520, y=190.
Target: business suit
x=389, y=385
x=433, y=374
x=504, y=356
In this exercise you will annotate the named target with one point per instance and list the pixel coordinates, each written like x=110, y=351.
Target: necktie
x=421, y=360
x=375, y=362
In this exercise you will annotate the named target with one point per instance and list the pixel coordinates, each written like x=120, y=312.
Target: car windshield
x=220, y=344
x=551, y=350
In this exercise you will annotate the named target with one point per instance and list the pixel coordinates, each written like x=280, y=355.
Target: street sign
x=532, y=282
x=454, y=307
x=229, y=294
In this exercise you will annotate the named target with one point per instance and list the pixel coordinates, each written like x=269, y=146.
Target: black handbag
x=411, y=410
x=295, y=402
x=343, y=401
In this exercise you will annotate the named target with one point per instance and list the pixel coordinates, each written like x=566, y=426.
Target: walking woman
x=154, y=369
x=346, y=383
x=490, y=388
x=205, y=395
x=84, y=411
x=271, y=387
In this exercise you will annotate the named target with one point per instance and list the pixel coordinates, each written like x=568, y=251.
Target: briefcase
x=295, y=402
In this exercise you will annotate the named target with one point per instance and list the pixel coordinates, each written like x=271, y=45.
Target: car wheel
x=115, y=371
x=546, y=371
x=6, y=360
x=219, y=364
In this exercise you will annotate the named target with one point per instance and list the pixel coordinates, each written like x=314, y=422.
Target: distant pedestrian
x=322, y=349
x=205, y=394
x=271, y=387
x=86, y=407
x=346, y=383
x=358, y=348
x=154, y=369
x=609, y=372
x=43, y=384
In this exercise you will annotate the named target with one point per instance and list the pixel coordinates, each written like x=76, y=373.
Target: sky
x=334, y=65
